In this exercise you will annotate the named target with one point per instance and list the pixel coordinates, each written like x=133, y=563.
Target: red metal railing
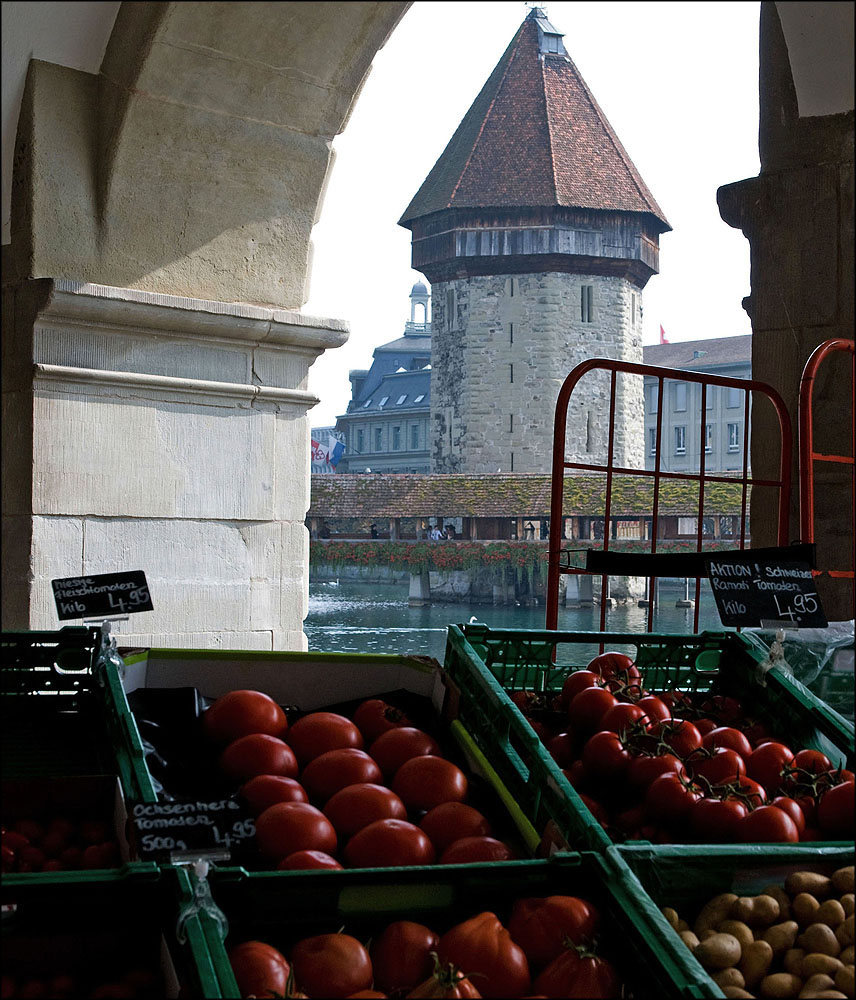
x=807, y=454
x=701, y=477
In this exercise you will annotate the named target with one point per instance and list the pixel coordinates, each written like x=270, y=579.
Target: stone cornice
x=129, y=310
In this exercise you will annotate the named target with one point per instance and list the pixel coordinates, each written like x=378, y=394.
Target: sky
x=677, y=81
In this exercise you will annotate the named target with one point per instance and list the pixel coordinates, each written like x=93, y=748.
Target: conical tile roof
x=534, y=136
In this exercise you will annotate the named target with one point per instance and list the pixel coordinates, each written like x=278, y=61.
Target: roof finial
x=535, y=10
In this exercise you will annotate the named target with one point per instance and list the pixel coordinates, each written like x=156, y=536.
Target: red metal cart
x=561, y=553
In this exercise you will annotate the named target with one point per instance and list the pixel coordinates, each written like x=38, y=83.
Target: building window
x=680, y=440
x=510, y=333
x=633, y=308
x=378, y=439
x=734, y=397
x=361, y=441
x=511, y=423
x=419, y=398
x=367, y=403
x=587, y=303
x=451, y=309
x=653, y=397
x=708, y=438
x=680, y=396
x=396, y=438
x=383, y=401
x=511, y=373
x=708, y=399
x=652, y=440
x=401, y=399
x=733, y=437
x=414, y=437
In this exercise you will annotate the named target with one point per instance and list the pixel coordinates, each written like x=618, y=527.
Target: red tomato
x=472, y=849
x=527, y=701
x=722, y=765
x=540, y=925
x=357, y=805
x=812, y=760
x=319, y=732
x=389, y=843
x=748, y=788
x=575, y=975
x=287, y=827
x=767, y=764
x=715, y=820
x=562, y=748
x=725, y=736
x=401, y=955
x=595, y=808
x=259, y=969
x=655, y=708
x=767, y=825
x=267, y=789
x=331, y=965
x=578, y=681
x=605, y=756
x=680, y=735
x=723, y=706
x=376, y=716
x=705, y=726
x=482, y=945
x=326, y=774
x=588, y=708
x=393, y=748
x=622, y=716
x=642, y=770
x=424, y=782
x=669, y=799
x=257, y=754
x=793, y=809
x=445, y=982
x=608, y=664
x=576, y=774
x=835, y=811
x=240, y=713
x=310, y=860
x=450, y=821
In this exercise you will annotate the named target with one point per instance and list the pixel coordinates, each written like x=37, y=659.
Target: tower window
x=652, y=440
x=680, y=440
x=587, y=303
x=733, y=437
x=510, y=422
x=708, y=438
x=633, y=308
x=451, y=309
x=511, y=373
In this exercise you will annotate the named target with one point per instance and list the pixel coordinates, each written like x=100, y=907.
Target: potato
x=690, y=940
x=819, y=937
x=829, y=995
x=812, y=986
x=743, y=932
x=671, y=916
x=683, y=926
x=719, y=951
x=755, y=962
x=830, y=913
x=844, y=932
x=844, y=981
x=736, y=992
x=713, y=912
x=816, y=963
x=847, y=955
x=781, y=897
x=847, y=903
x=728, y=977
x=793, y=960
x=804, y=907
x=820, y=886
x=781, y=937
x=780, y=986
x=756, y=911
x=844, y=880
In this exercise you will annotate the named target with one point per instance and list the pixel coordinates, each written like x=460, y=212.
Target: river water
x=352, y=617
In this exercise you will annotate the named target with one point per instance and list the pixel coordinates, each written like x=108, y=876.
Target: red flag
x=663, y=335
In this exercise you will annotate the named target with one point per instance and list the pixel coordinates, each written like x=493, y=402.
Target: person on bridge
x=374, y=531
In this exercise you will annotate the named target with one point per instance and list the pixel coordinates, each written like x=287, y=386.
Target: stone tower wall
x=502, y=347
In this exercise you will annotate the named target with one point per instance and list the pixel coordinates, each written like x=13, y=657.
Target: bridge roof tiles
x=375, y=495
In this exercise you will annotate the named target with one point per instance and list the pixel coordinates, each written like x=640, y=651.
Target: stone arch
x=196, y=160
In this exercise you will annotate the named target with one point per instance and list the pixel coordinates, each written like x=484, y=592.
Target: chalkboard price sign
x=164, y=828
x=103, y=594
x=753, y=591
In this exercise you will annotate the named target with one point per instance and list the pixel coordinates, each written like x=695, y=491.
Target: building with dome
x=537, y=234
x=386, y=426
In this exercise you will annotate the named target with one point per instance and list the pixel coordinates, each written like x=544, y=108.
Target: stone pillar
x=585, y=585
x=420, y=590
x=160, y=433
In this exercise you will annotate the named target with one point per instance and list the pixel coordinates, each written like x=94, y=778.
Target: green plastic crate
x=63, y=711
x=283, y=907
x=686, y=877
x=487, y=665
x=99, y=930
